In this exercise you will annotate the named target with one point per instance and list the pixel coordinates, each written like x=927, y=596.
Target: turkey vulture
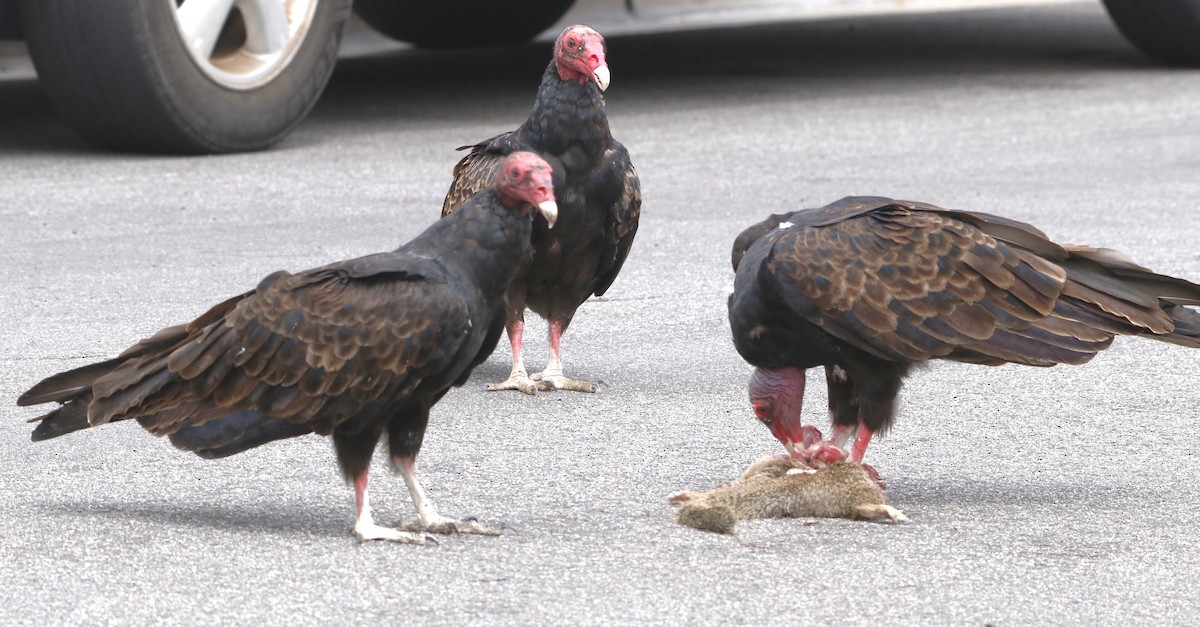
x=868, y=287
x=599, y=200
x=352, y=349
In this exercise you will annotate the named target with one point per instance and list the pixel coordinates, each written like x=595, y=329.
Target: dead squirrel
x=766, y=490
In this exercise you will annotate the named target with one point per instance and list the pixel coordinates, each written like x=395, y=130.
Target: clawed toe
x=449, y=526
x=479, y=527
x=874, y=475
x=516, y=381
x=821, y=454
x=371, y=533
x=559, y=382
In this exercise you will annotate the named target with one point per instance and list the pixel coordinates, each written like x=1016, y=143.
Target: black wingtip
x=66, y=419
x=1187, y=326
x=42, y=433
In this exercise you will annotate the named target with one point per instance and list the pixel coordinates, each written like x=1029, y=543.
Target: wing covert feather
x=910, y=281
x=914, y=285
x=623, y=215
x=477, y=170
x=295, y=344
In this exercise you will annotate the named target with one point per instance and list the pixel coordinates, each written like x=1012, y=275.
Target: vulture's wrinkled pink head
x=524, y=182
x=777, y=395
x=579, y=54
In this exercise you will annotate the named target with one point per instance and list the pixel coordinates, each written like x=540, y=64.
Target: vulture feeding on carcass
x=353, y=350
x=599, y=200
x=868, y=287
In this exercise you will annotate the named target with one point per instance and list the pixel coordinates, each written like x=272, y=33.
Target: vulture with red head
x=599, y=199
x=359, y=350
x=869, y=287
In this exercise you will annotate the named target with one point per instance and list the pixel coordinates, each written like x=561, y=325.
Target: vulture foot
x=518, y=380
x=874, y=475
x=547, y=380
x=450, y=526
x=369, y=532
x=821, y=454
x=827, y=452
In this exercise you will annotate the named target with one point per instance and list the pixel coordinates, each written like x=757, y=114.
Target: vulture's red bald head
x=524, y=182
x=777, y=396
x=579, y=54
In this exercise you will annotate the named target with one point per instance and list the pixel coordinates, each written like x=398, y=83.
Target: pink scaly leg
x=860, y=449
x=842, y=435
x=428, y=518
x=364, y=524
x=552, y=377
x=833, y=449
x=860, y=444
x=518, y=380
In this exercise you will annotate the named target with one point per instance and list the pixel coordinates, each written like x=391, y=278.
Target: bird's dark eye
x=571, y=43
x=762, y=412
x=515, y=172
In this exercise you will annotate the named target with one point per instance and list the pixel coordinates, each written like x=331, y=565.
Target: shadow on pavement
x=277, y=519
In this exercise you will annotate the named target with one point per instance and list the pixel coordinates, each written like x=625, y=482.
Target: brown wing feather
x=296, y=344
x=475, y=172
x=66, y=385
x=910, y=281
x=916, y=284
x=623, y=216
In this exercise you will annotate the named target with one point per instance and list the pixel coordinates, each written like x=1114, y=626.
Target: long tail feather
x=1187, y=326
x=67, y=385
x=1138, y=300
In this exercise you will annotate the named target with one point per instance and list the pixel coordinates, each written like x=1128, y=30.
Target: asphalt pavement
x=1036, y=496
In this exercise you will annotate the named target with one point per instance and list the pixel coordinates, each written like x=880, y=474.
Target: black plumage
x=353, y=350
x=598, y=192
x=868, y=287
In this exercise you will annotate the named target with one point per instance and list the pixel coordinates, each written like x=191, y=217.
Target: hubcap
x=243, y=44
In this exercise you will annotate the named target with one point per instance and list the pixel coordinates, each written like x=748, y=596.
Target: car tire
x=464, y=23
x=1167, y=30
x=119, y=73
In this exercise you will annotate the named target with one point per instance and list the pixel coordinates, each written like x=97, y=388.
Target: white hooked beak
x=600, y=74
x=549, y=209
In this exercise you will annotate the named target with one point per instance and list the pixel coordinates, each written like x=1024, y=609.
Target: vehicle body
x=218, y=76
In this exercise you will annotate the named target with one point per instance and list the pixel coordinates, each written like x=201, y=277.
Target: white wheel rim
x=243, y=44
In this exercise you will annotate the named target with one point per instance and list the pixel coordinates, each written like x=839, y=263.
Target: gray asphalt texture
x=1037, y=496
